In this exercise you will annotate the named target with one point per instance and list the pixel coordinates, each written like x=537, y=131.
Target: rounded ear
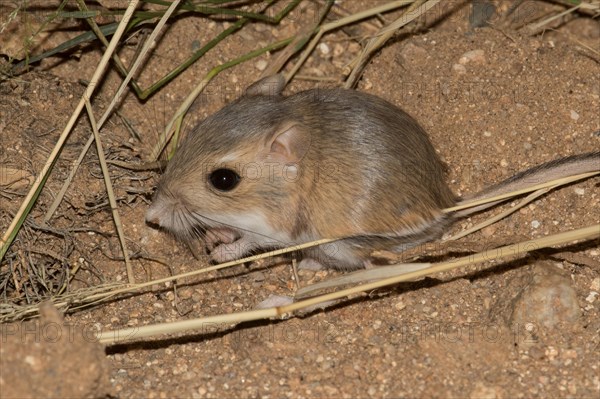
x=269, y=86
x=289, y=144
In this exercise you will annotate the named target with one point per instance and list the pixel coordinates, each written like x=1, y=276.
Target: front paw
x=217, y=236
x=232, y=251
x=225, y=253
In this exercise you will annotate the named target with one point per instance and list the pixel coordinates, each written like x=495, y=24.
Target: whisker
x=201, y=219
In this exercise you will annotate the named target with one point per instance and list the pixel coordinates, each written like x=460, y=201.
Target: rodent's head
x=236, y=169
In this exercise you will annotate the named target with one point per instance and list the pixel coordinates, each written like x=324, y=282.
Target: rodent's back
x=378, y=156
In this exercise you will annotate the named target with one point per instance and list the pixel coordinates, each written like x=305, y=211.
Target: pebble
x=413, y=54
x=474, y=56
x=551, y=353
x=574, y=115
x=550, y=300
x=535, y=224
x=579, y=191
x=488, y=231
x=324, y=49
x=185, y=293
x=459, y=69
x=591, y=298
x=259, y=276
x=261, y=65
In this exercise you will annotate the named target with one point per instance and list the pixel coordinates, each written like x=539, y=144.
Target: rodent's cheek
x=254, y=223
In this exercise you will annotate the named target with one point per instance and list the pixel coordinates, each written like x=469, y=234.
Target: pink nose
x=154, y=221
x=152, y=216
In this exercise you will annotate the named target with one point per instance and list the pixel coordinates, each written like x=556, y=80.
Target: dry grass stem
x=115, y=100
x=509, y=251
x=339, y=23
x=413, y=12
x=531, y=197
x=43, y=175
x=110, y=192
x=553, y=183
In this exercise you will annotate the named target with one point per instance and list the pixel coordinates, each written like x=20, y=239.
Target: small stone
x=591, y=298
x=579, y=191
x=261, y=65
x=551, y=353
x=413, y=54
x=324, y=49
x=535, y=224
x=487, y=134
x=459, y=69
x=574, y=115
x=550, y=301
x=503, y=163
x=474, y=56
x=595, y=285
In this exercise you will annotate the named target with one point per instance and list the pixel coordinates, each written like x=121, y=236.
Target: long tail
x=556, y=169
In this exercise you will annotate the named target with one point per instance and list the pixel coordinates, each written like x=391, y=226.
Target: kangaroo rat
x=271, y=171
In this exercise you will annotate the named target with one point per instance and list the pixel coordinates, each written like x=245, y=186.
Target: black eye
x=224, y=179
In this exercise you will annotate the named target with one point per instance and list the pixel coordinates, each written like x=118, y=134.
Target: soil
x=494, y=101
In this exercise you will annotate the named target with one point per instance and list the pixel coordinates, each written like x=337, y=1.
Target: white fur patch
x=421, y=227
x=256, y=227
